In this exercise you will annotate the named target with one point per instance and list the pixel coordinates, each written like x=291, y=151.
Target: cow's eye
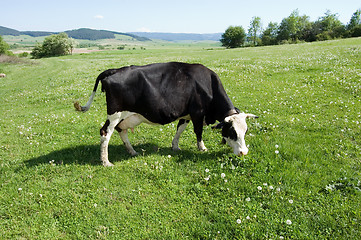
x=225, y=129
x=229, y=131
x=232, y=133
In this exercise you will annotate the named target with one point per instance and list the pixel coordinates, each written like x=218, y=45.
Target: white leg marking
x=201, y=146
x=124, y=136
x=175, y=141
x=104, y=140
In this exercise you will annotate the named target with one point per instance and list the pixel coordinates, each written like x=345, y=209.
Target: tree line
x=292, y=29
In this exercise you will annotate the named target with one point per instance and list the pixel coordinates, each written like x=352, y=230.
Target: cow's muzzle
x=242, y=152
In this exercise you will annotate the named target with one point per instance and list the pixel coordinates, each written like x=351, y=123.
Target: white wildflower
x=223, y=175
x=288, y=222
x=239, y=221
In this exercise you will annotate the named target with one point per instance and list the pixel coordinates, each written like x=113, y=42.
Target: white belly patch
x=132, y=119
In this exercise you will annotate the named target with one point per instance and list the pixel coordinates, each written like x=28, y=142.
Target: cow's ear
x=248, y=115
x=227, y=119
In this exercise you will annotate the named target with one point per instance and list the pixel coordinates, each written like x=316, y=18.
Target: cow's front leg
x=198, y=130
x=182, y=124
x=123, y=133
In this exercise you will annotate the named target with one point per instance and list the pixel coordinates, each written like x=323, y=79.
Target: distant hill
x=92, y=34
x=82, y=33
x=180, y=36
x=9, y=31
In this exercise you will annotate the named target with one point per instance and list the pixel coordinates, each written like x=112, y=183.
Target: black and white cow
x=165, y=92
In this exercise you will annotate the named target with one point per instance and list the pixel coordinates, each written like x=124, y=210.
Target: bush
x=87, y=45
x=54, y=45
x=24, y=54
x=233, y=37
x=4, y=47
x=356, y=31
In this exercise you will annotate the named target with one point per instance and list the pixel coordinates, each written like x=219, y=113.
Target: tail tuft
x=78, y=107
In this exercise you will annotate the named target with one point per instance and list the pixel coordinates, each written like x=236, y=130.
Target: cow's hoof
x=176, y=149
x=201, y=146
x=108, y=164
x=133, y=154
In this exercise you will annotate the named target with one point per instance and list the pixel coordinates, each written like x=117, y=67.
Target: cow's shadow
x=90, y=155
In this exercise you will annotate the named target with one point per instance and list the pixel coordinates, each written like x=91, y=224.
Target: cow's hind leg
x=182, y=124
x=105, y=133
x=123, y=133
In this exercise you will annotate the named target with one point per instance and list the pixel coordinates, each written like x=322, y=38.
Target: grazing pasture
x=301, y=178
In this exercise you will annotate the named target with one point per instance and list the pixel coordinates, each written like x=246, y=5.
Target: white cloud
x=98, y=17
x=143, y=29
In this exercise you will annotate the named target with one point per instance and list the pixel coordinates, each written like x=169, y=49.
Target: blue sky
x=184, y=16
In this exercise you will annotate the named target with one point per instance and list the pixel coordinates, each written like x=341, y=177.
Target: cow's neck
x=223, y=109
x=231, y=112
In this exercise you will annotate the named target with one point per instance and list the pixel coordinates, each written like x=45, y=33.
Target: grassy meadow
x=300, y=180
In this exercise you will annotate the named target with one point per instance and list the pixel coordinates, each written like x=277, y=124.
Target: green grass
x=301, y=178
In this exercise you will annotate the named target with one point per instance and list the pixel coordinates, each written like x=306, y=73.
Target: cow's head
x=234, y=129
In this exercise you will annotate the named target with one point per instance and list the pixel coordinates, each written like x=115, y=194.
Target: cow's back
x=161, y=92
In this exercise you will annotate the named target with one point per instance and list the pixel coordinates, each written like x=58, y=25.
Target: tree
x=293, y=27
x=355, y=20
x=54, y=45
x=269, y=35
x=354, y=26
x=4, y=47
x=233, y=37
x=254, y=30
x=329, y=27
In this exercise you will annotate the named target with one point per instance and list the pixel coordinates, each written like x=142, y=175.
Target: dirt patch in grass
x=13, y=59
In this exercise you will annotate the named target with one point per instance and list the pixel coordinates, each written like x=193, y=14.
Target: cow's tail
x=85, y=108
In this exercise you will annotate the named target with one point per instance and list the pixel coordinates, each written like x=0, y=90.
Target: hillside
x=92, y=34
x=180, y=36
x=82, y=33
